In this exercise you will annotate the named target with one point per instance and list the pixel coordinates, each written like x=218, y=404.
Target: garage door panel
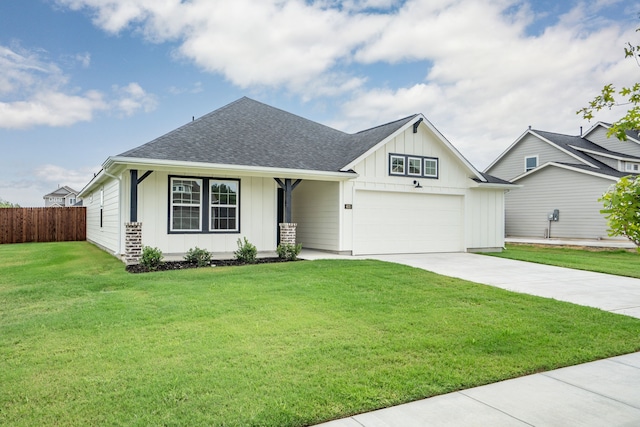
x=386, y=222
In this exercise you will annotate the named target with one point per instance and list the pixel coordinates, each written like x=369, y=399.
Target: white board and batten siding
x=485, y=219
x=316, y=209
x=106, y=197
x=574, y=194
x=512, y=164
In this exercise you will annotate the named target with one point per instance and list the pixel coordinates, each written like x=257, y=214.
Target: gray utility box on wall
x=554, y=216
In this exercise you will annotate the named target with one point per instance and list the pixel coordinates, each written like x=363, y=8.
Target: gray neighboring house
x=63, y=196
x=563, y=173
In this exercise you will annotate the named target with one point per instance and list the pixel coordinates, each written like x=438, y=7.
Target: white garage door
x=386, y=223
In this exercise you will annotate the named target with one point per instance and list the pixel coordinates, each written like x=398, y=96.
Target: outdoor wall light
x=417, y=183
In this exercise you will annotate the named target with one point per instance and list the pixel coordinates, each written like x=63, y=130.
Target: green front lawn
x=82, y=342
x=618, y=261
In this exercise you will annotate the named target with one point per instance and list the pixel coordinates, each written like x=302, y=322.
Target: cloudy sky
x=81, y=80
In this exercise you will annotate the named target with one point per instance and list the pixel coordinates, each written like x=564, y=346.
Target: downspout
x=119, y=179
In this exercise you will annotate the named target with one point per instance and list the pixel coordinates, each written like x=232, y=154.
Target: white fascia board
x=99, y=177
x=491, y=186
x=258, y=171
x=610, y=156
x=427, y=123
x=567, y=167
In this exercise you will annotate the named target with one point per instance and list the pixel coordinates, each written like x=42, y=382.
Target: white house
x=245, y=168
x=564, y=174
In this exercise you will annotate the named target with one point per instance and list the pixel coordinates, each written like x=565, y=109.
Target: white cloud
x=34, y=92
x=488, y=77
x=133, y=98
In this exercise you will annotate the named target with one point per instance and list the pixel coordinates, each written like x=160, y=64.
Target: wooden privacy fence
x=22, y=225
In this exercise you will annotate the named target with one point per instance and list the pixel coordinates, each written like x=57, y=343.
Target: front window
x=397, y=165
x=633, y=167
x=431, y=168
x=530, y=163
x=415, y=166
x=186, y=199
x=224, y=205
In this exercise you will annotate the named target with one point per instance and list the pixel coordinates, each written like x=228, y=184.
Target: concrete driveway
x=607, y=292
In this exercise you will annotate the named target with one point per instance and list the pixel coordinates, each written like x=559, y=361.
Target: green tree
x=622, y=208
x=5, y=204
x=611, y=97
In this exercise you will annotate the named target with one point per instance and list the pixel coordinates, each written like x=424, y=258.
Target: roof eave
x=567, y=167
x=244, y=170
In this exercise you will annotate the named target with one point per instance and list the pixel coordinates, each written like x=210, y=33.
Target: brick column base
x=132, y=242
x=288, y=232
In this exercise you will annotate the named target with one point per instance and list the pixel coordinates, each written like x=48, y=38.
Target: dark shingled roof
x=568, y=142
x=250, y=133
x=490, y=179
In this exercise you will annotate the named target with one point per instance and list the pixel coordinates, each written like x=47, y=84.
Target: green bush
x=289, y=251
x=200, y=257
x=246, y=252
x=151, y=258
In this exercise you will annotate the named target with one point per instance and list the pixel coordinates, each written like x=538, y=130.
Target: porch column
x=287, y=228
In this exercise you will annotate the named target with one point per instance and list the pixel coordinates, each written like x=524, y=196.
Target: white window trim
x=429, y=159
x=526, y=169
x=236, y=206
x=404, y=164
x=419, y=159
x=172, y=204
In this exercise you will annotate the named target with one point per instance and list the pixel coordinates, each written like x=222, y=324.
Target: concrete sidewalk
x=596, y=394
x=601, y=393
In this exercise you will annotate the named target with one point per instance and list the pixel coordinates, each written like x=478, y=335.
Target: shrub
x=246, y=252
x=200, y=257
x=151, y=258
x=289, y=251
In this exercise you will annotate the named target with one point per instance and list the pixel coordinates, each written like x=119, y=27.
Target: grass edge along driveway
x=619, y=262
x=82, y=342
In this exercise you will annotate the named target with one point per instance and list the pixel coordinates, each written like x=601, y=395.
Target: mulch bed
x=182, y=265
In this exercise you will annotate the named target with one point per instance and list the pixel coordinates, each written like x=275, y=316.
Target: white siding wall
x=257, y=216
x=485, y=219
x=512, y=164
x=574, y=194
x=599, y=136
x=316, y=206
x=107, y=236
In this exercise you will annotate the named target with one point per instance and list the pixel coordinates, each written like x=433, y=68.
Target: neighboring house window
x=397, y=165
x=224, y=205
x=415, y=166
x=431, y=168
x=204, y=205
x=633, y=167
x=186, y=200
x=418, y=166
x=530, y=163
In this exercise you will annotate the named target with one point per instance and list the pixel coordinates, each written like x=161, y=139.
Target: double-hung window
x=530, y=163
x=415, y=166
x=397, y=165
x=224, y=205
x=431, y=168
x=186, y=202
